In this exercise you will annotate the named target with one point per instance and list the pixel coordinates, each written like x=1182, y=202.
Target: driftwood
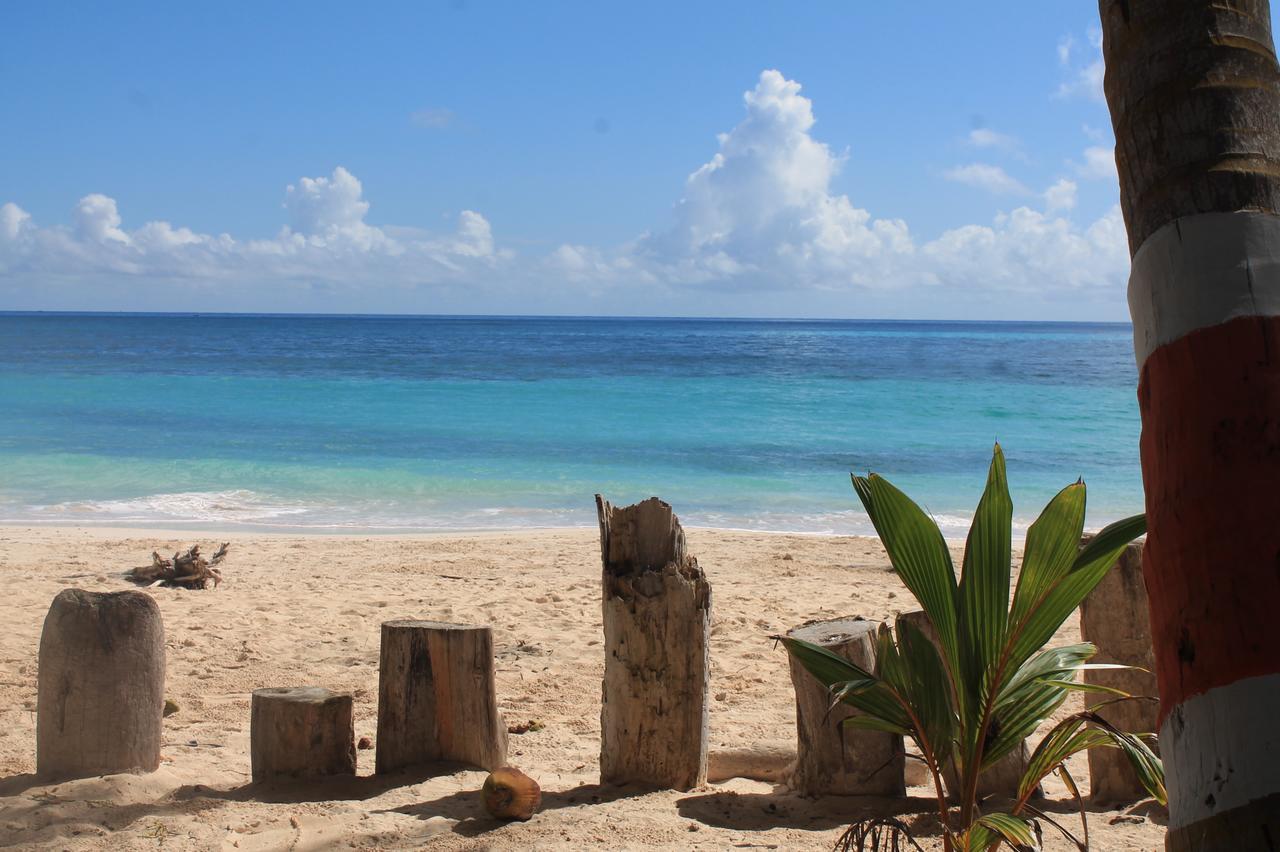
x=657, y=623
x=189, y=570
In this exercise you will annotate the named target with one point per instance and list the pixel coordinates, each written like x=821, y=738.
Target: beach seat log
x=657, y=628
x=100, y=685
x=1116, y=619
x=301, y=732
x=1000, y=779
x=831, y=761
x=437, y=698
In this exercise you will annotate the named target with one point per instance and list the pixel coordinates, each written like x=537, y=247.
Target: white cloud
x=759, y=217
x=986, y=177
x=13, y=221
x=1099, y=163
x=327, y=240
x=1086, y=80
x=1061, y=196
x=97, y=220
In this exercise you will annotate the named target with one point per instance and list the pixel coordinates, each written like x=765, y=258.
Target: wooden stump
x=303, y=732
x=832, y=760
x=1115, y=618
x=100, y=685
x=1003, y=778
x=657, y=626
x=436, y=696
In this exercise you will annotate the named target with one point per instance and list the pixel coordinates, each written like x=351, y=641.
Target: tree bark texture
x=1194, y=92
x=436, y=697
x=301, y=732
x=657, y=626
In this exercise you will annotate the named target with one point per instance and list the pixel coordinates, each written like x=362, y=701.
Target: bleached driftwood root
x=189, y=570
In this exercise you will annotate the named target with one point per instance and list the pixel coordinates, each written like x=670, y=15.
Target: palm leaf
x=1060, y=598
x=1050, y=549
x=990, y=829
x=984, y=581
x=919, y=555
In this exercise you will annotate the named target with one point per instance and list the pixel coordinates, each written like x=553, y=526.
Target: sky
x=930, y=160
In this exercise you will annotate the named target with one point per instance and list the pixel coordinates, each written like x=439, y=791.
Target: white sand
x=298, y=610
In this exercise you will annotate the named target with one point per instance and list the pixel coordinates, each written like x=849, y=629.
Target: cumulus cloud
x=1061, y=196
x=760, y=216
x=327, y=239
x=761, y=209
x=986, y=177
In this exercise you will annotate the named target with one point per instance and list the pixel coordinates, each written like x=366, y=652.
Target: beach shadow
x=470, y=819
x=785, y=809
x=16, y=785
x=342, y=788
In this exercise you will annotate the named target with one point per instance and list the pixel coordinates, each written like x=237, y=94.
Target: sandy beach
x=301, y=610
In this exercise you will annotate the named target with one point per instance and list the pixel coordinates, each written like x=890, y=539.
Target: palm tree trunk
x=1194, y=92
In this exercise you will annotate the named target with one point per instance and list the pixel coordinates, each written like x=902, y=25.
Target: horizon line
x=669, y=318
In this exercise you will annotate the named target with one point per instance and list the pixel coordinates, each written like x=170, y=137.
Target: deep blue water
x=425, y=423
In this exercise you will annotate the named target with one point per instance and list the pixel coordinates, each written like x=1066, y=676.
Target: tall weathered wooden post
x=657, y=628
x=1116, y=619
x=100, y=685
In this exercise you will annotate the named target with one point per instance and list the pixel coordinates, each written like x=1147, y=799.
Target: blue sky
x=826, y=159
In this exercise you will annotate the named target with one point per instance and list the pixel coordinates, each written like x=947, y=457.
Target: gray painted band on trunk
x=1201, y=271
x=1220, y=750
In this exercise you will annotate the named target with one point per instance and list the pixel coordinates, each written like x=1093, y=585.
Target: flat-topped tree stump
x=436, y=696
x=301, y=732
x=1001, y=779
x=100, y=685
x=657, y=626
x=832, y=760
x=1115, y=618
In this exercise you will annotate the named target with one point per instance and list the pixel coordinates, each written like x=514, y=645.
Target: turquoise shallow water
x=427, y=423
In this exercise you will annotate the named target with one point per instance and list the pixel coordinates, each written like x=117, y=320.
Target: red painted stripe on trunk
x=1211, y=466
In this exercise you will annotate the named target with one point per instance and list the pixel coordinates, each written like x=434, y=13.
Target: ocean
x=373, y=423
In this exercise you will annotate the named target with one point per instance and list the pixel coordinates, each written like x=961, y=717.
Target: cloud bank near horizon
x=760, y=216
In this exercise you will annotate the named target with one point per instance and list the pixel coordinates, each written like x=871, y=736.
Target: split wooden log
x=832, y=760
x=657, y=627
x=436, y=697
x=1116, y=619
x=100, y=685
x=1003, y=777
x=189, y=570
x=301, y=732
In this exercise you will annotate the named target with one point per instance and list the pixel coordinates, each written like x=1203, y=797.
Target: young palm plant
x=987, y=685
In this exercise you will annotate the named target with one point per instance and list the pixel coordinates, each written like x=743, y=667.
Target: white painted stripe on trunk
x=1221, y=749
x=1200, y=271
